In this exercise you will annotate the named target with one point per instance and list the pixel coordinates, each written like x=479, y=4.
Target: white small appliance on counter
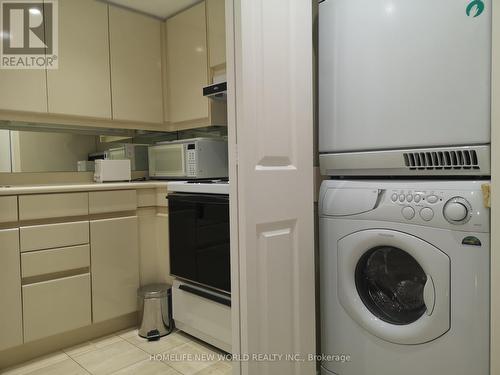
x=197, y=158
x=112, y=170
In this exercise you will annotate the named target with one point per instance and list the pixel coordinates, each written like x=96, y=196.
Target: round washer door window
x=395, y=285
x=391, y=284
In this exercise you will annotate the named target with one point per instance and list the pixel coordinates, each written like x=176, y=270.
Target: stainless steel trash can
x=155, y=313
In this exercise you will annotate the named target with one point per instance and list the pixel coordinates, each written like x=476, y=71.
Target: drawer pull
x=206, y=295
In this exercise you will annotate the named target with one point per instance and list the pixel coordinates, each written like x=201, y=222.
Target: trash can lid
x=154, y=290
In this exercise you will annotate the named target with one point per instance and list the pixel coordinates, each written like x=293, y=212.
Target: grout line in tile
x=79, y=365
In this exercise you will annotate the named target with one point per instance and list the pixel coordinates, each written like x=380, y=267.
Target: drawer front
x=8, y=209
x=47, y=206
x=56, y=306
x=46, y=262
x=112, y=201
x=50, y=236
x=210, y=318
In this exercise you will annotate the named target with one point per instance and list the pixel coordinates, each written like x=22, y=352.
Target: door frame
x=231, y=47
x=495, y=192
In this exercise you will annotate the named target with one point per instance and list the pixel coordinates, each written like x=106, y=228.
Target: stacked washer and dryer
x=404, y=109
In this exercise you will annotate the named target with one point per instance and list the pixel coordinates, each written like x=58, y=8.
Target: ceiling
x=157, y=8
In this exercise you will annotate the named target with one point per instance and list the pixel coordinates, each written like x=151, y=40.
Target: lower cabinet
x=115, y=267
x=56, y=306
x=11, y=325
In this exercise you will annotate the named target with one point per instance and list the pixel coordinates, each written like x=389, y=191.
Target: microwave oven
x=198, y=158
x=137, y=154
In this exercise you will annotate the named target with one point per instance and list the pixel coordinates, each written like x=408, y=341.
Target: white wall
x=5, y=165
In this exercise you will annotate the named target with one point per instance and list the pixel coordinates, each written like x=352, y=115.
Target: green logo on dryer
x=475, y=8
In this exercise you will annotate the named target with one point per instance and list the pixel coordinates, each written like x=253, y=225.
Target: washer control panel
x=424, y=206
x=451, y=205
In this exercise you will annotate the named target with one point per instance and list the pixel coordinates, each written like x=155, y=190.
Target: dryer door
x=395, y=285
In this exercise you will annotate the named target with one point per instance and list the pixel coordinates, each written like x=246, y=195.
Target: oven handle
x=199, y=198
x=209, y=296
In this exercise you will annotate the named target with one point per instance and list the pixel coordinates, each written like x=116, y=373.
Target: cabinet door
x=56, y=306
x=216, y=22
x=81, y=85
x=11, y=326
x=23, y=90
x=136, y=79
x=115, y=267
x=187, y=67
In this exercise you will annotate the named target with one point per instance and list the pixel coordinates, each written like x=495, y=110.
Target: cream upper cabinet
x=136, y=66
x=216, y=25
x=114, y=250
x=187, y=66
x=23, y=90
x=11, y=326
x=81, y=84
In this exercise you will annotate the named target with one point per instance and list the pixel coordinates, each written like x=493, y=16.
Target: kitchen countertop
x=74, y=187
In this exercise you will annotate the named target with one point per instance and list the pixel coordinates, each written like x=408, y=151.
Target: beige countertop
x=73, y=187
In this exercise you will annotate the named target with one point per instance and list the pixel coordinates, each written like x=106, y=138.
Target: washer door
x=396, y=286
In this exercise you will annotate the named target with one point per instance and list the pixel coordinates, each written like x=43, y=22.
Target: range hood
x=217, y=91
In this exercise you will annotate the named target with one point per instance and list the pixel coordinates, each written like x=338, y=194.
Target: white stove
x=200, y=186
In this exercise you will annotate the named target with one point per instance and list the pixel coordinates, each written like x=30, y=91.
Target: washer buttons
x=408, y=212
x=432, y=199
x=394, y=197
x=417, y=198
x=402, y=198
x=426, y=213
x=409, y=198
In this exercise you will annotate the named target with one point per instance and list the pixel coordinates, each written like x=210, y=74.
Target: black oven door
x=199, y=238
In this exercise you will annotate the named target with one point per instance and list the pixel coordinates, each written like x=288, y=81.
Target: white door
x=395, y=285
x=274, y=177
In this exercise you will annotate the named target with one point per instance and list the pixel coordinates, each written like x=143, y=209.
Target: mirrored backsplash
x=26, y=149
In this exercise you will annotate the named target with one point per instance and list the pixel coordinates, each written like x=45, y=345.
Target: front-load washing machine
x=404, y=278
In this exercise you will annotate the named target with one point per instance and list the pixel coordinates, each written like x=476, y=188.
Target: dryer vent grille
x=436, y=160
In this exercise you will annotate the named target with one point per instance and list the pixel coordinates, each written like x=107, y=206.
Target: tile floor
x=125, y=353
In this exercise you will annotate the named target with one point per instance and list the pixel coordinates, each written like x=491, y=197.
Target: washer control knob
x=408, y=212
x=417, y=198
x=426, y=213
x=457, y=210
x=402, y=198
x=394, y=197
x=409, y=197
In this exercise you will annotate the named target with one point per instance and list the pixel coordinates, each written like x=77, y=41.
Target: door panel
x=136, y=80
x=83, y=61
x=274, y=124
x=199, y=238
x=115, y=267
x=187, y=66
